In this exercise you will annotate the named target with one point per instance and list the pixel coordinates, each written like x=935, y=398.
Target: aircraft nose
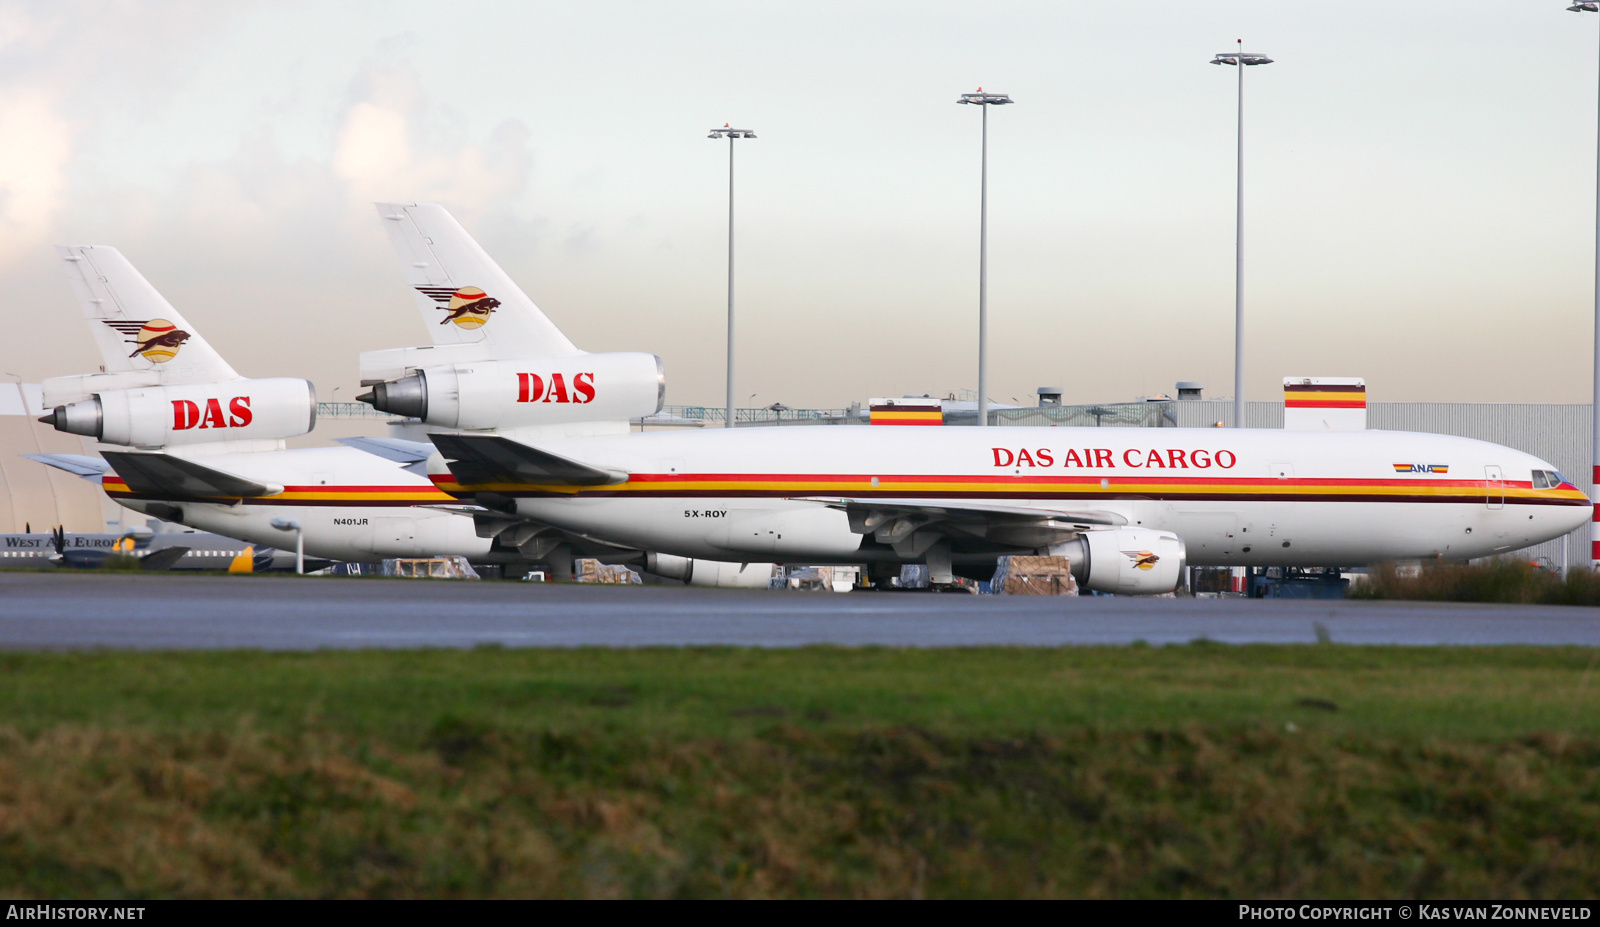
x=1580, y=515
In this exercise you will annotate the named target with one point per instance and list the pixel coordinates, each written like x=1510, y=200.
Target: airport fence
x=350, y=410
x=716, y=416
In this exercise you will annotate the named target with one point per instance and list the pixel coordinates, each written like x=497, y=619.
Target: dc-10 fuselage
x=1251, y=497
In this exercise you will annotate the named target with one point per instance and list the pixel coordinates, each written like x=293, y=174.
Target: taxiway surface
x=71, y=610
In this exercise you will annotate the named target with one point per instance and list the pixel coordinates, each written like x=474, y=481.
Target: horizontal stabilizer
x=482, y=459
x=398, y=450
x=178, y=478
x=90, y=468
x=412, y=455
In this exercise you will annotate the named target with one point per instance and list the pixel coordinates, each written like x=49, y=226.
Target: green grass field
x=1194, y=771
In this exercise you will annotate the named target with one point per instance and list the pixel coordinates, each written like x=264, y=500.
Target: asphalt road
x=75, y=610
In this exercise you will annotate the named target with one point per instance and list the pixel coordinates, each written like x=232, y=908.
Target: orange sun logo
x=1143, y=559
x=469, y=307
x=159, y=341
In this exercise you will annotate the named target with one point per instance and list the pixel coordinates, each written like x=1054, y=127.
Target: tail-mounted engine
x=537, y=391
x=162, y=416
x=1126, y=561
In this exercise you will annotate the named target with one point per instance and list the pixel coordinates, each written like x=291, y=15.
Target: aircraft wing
x=478, y=460
x=962, y=510
x=913, y=523
x=413, y=454
x=90, y=468
x=164, y=559
x=178, y=478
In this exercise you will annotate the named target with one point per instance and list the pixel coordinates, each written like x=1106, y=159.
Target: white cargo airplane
x=206, y=446
x=1127, y=507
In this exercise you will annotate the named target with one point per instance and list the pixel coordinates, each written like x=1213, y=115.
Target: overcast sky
x=1420, y=190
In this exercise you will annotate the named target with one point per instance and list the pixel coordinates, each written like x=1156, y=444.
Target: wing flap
x=179, y=478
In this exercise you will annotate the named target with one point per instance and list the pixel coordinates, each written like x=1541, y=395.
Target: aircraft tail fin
x=134, y=326
x=464, y=296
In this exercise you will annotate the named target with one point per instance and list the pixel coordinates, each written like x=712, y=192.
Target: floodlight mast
x=730, y=134
x=1241, y=59
x=1590, y=6
x=984, y=101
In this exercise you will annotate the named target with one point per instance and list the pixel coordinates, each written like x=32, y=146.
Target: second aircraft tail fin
x=465, y=297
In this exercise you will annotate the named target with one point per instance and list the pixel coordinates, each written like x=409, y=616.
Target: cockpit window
x=1547, y=479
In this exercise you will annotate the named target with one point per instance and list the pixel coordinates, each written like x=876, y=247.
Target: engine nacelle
x=717, y=573
x=1125, y=561
x=536, y=391
x=163, y=416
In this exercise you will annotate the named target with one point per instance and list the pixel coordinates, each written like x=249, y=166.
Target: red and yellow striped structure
x=1313, y=395
x=916, y=412
x=1594, y=526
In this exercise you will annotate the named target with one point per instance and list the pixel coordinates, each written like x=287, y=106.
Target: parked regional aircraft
x=1127, y=507
x=174, y=550
x=207, y=445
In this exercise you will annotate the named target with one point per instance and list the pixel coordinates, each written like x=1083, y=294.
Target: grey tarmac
x=83, y=610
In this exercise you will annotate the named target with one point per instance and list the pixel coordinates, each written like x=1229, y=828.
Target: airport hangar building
x=32, y=494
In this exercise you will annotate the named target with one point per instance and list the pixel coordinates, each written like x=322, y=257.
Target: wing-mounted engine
x=709, y=573
x=167, y=416
x=1106, y=555
x=497, y=394
x=1125, y=561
